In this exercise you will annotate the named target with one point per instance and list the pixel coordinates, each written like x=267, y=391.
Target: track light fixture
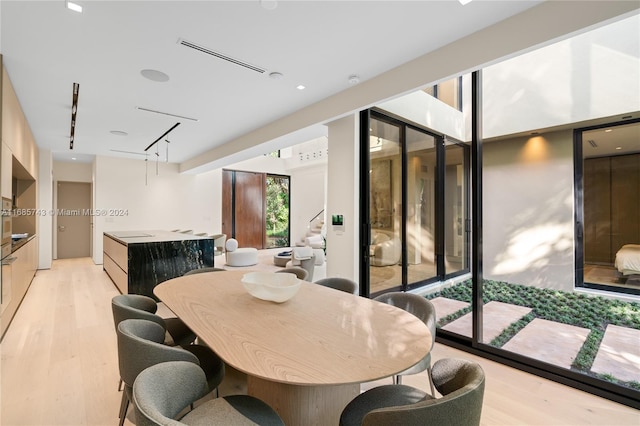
x=162, y=136
x=74, y=111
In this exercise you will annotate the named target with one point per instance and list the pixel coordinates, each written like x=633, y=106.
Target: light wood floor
x=59, y=365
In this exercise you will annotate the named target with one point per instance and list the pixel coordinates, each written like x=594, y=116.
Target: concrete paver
x=496, y=317
x=446, y=306
x=549, y=341
x=619, y=354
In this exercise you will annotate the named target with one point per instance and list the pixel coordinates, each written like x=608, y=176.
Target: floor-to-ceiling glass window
x=609, y=170
x=277, y=210
x=547, y=113
x=555, y=206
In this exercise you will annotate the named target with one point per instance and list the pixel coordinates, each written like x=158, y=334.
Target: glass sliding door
x=417, y=206
x=385, y=201
x=421, y=215
x=456, y=206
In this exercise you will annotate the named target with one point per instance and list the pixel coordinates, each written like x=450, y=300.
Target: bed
x=628, y=260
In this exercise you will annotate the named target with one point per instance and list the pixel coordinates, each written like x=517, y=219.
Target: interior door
x=73, y=220
x=250, y=209
x=243, y=207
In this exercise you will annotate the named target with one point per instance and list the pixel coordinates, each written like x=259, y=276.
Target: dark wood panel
x=625, y=201
x=250, y=209
x=597, y=210
x=227, y=203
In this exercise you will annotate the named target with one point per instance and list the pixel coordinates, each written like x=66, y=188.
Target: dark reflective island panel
x=157, y=256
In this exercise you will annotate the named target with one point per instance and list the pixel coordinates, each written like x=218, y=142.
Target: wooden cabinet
x=22, y=272
x=6, y=170
x=16, y=133
x=115, y=262
x=597, y=210
x=611, y=206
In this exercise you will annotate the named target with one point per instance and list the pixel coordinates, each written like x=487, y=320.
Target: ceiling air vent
x=220, y=56
x=592, y=143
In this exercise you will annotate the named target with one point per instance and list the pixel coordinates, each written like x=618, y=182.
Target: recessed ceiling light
x=300, y=87
x=268, y=4
x=276, y=75
x=463, y=2
x=155, y=75
x=118, y=133
x=74, y=158
x=608, y=130
x=353, y=79
x=618, y=147
x=74, y=6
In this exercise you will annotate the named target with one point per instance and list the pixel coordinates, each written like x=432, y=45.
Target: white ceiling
x=46, y=48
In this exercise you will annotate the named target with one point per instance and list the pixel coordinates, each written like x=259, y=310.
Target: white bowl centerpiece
x=271, y=286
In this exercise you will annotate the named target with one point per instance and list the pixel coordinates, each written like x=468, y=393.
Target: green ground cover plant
x=591, y=312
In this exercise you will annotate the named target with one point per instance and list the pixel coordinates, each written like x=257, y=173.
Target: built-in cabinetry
x=611, y=205
x=115, y=262
x=21, y=271
x=18, y=182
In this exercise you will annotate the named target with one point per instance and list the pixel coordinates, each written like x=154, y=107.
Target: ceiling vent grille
x=221, y=56
x=592, y=143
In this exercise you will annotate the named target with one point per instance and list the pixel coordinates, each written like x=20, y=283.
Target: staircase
x=313, y=235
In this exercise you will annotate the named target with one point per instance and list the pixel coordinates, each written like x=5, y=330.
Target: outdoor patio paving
x=619, y=353
x=446, y=306
x=549, y=341
x=496, y=317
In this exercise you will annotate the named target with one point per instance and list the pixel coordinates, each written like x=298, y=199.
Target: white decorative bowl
x=271, y=286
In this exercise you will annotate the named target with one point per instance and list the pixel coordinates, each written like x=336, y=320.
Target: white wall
x=169, y=200
x=307, y=197
x=518, y=92
x=174, y=200
x=528, y=211
x=66, y=171
x=45, y=203
x=428, y=111
x=342, y=198
x=592, y=75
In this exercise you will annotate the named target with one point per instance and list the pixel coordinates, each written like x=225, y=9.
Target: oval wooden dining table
x=305, y=357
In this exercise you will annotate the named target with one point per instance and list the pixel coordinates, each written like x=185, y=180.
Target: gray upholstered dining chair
x=301, y=273
x=461, y=383
x=426, y=312
x=339, y=283
x=128, y=306
x=203, y=270
x=140, y=346
x=163, y=391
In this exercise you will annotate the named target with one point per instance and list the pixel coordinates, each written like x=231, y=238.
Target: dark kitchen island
x=137, y=261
